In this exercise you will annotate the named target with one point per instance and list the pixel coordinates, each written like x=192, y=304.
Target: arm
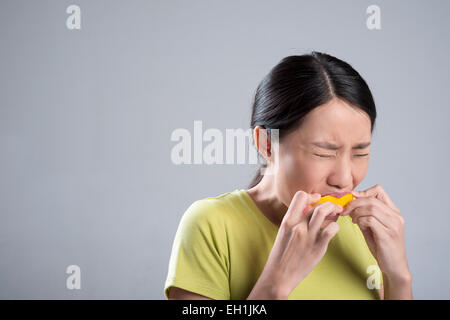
x=398, y=288
x=176, y=293
x=198, y=265
x=381, y=292
x=260, y=291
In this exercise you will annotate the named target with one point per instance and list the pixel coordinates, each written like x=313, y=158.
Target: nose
x=341, y=176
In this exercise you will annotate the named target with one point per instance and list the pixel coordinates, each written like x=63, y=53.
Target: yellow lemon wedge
x=342, y=201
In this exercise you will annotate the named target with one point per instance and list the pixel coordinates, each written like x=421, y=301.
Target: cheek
x=360, y=172
x=288, y=176
x=291, y=166
x=296, y=172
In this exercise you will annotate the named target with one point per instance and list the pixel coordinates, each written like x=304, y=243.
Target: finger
x=359, y=213
x=378, y=230
x=320, y=212
x=352, y=205
x=370, y=207
x=328, y=233
x=325, y=224
x=299, y=206
x=378, y=192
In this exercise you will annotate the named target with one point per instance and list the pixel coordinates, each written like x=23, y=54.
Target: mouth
x=336, y=194
x=340, y=198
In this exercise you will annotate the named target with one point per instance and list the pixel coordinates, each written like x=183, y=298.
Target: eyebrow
x=331, y=146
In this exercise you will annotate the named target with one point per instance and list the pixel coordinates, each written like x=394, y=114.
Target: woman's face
x=328, y=153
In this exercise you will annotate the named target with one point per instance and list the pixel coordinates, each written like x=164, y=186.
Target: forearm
x=267, y=289
x=398, y=288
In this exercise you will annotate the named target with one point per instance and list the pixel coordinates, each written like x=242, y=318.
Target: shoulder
x=209, y=213
x=212, y=209
x=204, y=223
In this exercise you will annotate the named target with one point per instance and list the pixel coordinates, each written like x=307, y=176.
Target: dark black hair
x=300, y=83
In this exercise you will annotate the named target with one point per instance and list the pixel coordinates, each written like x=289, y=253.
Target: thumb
x=328, y=233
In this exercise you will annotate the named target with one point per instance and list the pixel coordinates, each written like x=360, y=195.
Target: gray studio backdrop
x=86, y=118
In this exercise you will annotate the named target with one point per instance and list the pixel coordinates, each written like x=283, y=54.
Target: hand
x=383, y=228
x=300, y=243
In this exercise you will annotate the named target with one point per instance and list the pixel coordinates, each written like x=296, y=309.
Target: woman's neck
x=265, y=197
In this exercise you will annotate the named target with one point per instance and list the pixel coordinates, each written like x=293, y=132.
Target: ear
x=262, y=141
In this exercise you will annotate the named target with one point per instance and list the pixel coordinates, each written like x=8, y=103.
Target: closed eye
x=323, y=155
x=330, y=156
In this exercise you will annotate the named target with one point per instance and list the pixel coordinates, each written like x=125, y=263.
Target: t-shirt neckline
x=258, y=211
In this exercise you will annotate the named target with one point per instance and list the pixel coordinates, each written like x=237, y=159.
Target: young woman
x=271, y=241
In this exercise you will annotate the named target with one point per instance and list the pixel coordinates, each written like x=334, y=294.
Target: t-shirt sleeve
x=199, y=259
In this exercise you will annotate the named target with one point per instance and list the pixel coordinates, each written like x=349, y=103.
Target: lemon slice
x=342, y=201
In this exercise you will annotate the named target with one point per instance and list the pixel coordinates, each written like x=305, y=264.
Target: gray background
x=86, y=117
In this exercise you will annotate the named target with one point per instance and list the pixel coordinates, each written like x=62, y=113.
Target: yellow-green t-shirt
x=222, y=245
